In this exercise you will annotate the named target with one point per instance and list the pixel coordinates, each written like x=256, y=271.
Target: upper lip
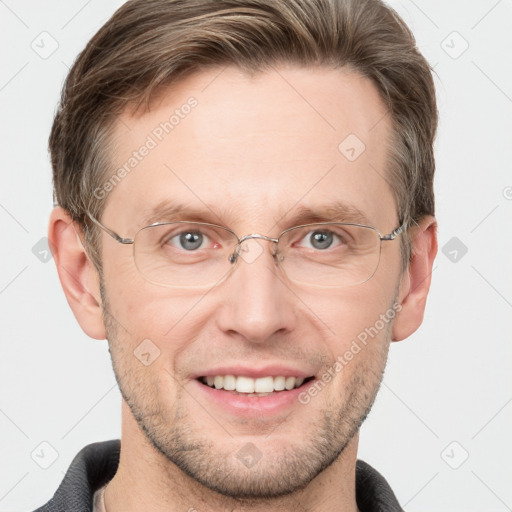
x=273, y=370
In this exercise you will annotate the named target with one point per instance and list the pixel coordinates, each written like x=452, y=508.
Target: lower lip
x=253, y=406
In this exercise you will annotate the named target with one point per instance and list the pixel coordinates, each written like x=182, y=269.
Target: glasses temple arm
x=399, y=230
x=113, y=234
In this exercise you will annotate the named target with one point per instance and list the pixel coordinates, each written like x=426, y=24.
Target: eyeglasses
x=187, y=254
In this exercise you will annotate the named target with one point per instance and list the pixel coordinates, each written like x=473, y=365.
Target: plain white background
x=440, y=428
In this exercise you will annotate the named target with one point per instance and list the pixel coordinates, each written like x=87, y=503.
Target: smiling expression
x=226, y=364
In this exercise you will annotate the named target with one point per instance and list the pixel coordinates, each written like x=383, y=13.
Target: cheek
x=359, y=350
x=155, y=315
x=349, y=314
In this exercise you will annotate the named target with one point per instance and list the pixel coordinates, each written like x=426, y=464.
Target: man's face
x=250, y=154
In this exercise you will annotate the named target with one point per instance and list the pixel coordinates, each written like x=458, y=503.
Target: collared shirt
x=95, y=465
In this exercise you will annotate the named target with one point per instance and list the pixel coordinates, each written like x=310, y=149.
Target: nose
x=256, y=302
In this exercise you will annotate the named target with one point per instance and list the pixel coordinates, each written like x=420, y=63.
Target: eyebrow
x=166, y=211
x=337, y=212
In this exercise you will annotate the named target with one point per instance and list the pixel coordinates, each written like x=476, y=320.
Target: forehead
x=254, y=149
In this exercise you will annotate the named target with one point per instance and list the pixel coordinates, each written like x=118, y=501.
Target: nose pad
x=250, y=250
x=278, y=257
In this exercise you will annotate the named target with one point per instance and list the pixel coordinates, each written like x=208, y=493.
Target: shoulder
x=92, y=467
x=373, y=493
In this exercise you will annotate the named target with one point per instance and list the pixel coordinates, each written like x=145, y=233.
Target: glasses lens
x=330, y=255
x=197, y=255
x=184, y=254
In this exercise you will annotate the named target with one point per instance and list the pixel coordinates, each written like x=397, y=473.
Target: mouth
x=249, y=387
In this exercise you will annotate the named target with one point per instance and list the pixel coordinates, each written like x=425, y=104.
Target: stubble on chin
x=176, y=434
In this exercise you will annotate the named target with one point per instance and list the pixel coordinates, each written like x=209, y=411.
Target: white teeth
x=229, y=382
x=279, y=383
x=289, y=383
x=219, y=381
x=264, y=385
x=243, y=384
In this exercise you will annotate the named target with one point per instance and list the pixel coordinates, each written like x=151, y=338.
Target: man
x=245, y=211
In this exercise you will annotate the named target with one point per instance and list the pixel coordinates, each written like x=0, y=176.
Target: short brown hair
x=149, y=44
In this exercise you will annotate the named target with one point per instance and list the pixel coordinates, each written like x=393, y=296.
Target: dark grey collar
x=96, y=464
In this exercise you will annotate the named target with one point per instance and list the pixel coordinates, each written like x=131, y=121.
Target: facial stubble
x=217, y=466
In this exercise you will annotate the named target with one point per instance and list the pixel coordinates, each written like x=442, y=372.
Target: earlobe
x=415, y=283
x=78, y=276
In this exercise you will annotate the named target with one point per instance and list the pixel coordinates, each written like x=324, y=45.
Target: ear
x=78, y=276
x=415, y=282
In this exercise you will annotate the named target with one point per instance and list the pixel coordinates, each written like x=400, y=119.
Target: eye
x=189, y=240
x=320, y=239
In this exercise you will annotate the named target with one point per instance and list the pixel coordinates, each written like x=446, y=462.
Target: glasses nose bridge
x=256, y=235
x=234, y=256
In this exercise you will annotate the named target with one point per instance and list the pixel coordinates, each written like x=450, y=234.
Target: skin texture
x=250, y=153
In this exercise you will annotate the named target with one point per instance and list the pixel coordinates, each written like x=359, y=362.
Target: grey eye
x=321, y=239
x=188, y=240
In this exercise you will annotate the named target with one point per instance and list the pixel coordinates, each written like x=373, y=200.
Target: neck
x=147, y=480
